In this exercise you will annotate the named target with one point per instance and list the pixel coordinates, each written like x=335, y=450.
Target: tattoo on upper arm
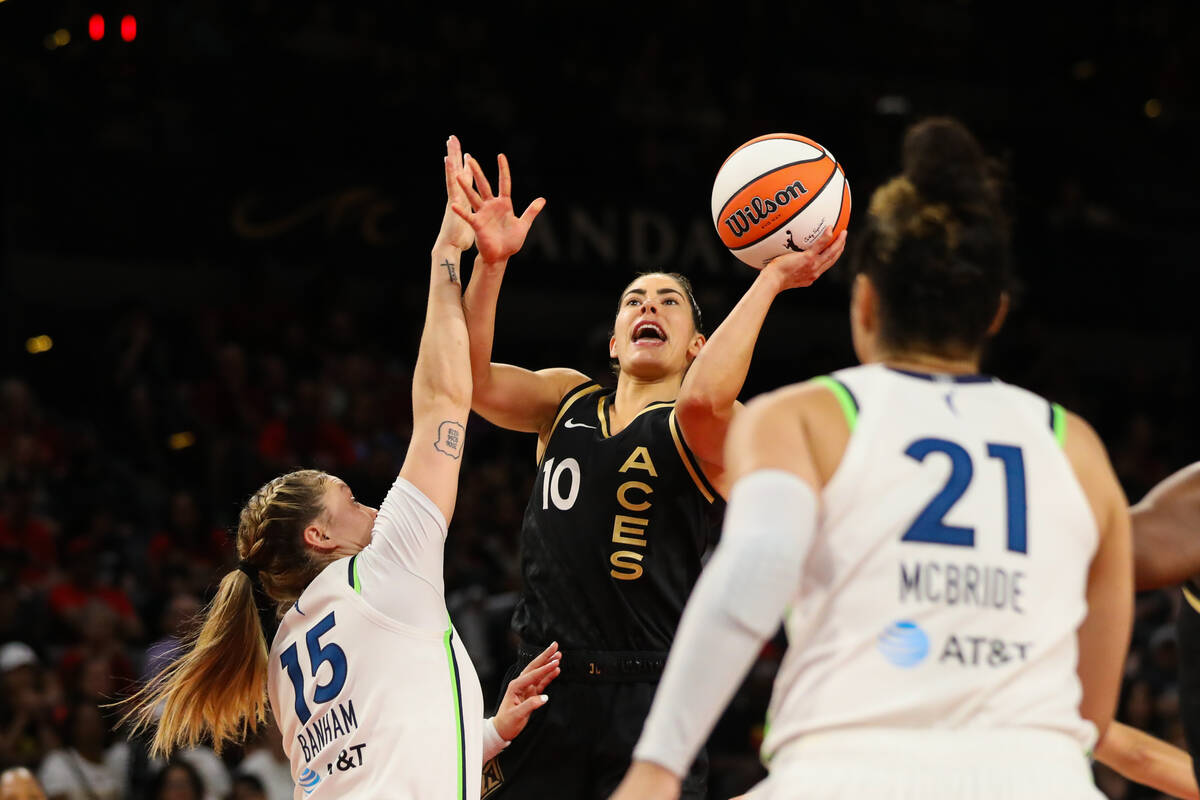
x=450, y=438
x=449, y=265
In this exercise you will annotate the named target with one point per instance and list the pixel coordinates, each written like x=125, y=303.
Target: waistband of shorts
x=603, y=666
x=914, y=745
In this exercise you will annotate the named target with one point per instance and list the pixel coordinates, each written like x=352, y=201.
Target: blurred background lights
x=181, y=440
x=96, y=27
x=38, y=344
x=1153, y=108
x=128, y=27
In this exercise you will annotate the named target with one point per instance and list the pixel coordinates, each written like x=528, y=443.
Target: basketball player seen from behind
x=614, y=533
x=950, y=554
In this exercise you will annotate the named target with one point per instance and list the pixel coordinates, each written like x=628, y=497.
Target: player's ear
x=696, y=345
x=612, y=347
x=318, y=539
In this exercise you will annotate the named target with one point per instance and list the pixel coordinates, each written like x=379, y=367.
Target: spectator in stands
x=18, y=783
x=77, y=770
x=26, y=707
x=178, y=780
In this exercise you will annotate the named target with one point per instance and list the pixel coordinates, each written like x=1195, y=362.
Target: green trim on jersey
x=452, y=662
x=1059, y=416
x=355, y=583
x=844, y=397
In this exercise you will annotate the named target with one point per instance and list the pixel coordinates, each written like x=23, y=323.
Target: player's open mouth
x=648, y=334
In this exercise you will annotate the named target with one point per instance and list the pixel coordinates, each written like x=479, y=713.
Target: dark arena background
x=214, y=225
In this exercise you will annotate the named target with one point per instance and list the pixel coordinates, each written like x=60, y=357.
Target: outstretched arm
x=1166, y=531
x=441, y=385
x=708, y=397
x=1149, y=761
x=511, y=397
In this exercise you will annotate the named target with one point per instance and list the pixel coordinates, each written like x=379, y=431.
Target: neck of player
x=633, y=394
x=929, y=362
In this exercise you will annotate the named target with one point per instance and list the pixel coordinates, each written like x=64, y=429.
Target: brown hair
x=936, y=243
x=219, y=686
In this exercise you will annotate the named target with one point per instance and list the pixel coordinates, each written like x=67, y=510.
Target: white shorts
x=924, y=765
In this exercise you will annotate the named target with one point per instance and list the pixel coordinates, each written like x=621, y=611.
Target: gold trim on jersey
x=1193, y=601
x=602, y=413
x=700, y=482
x=586, y=390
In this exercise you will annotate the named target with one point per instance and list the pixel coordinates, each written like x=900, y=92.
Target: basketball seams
x=772, y=171
x=795, y=213
x=792, y=137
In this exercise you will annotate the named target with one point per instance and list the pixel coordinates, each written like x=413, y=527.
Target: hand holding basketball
x=498, y=232
x=455, y=232
x=793, y=270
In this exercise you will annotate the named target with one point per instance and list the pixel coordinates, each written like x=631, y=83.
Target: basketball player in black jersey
x=613, y=535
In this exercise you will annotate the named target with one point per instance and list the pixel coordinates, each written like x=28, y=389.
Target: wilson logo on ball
x=778, y=193
x=759, y=209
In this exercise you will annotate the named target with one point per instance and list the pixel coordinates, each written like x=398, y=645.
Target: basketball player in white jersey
x=369, y=683
x=950, y=554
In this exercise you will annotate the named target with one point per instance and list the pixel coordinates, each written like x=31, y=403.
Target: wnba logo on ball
x=759, y=209
x=903, y=643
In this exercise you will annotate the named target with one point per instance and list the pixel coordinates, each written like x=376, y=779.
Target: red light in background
x=128, y=27
x=96, y=27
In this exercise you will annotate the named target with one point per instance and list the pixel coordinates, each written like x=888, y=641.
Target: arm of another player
x=441, y=384
x=1166, y=531
x=1104, y=634
x=1149, y=761
x=708, y=397
x=508, y=396
x=744, y=589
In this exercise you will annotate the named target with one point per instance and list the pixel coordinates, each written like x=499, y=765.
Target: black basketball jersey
x=615, y=529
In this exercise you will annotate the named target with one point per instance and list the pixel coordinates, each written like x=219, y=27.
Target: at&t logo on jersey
x=308, y=780
x=903, y=643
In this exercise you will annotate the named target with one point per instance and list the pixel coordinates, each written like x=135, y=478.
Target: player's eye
x=633, y=301
x=671, y=301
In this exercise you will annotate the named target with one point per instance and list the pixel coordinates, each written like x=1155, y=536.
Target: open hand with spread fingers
x=524, y=693
x=455, y=231
x=499, y=233
x=793, y=270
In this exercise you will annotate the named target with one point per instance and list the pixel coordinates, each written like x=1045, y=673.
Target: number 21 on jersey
x=929, y=525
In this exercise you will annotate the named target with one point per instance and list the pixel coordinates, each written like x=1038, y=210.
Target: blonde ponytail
x=218, y=688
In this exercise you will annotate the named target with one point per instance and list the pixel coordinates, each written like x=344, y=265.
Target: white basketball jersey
x=949, y=570
x=370, y=707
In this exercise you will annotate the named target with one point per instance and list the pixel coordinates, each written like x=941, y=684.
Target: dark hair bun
x=946, y=164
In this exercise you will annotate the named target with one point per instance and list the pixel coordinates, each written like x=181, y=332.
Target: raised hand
x=524, y=693
x=499, y=233
x=455, y=232
x=803, y=269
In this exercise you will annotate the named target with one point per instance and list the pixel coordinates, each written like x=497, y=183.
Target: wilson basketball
x=778, y=193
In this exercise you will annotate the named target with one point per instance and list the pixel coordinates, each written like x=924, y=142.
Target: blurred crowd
x=119, y=489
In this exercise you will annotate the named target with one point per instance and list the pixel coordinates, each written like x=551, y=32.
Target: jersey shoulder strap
x=845, y=397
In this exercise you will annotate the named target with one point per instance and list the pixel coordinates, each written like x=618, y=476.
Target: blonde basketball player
x=950, y=554
x=371, y=687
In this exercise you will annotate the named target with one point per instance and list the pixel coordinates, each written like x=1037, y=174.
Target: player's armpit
x=1149, y=761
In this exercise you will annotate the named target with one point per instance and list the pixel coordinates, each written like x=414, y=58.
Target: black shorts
x=578, y=746
x=1187, y=629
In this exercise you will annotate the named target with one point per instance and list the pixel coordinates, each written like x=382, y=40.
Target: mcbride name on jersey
x=615, y=529
x=949, y=571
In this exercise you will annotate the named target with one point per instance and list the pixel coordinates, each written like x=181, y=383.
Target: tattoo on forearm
x=449, y=265
x=450, y=438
